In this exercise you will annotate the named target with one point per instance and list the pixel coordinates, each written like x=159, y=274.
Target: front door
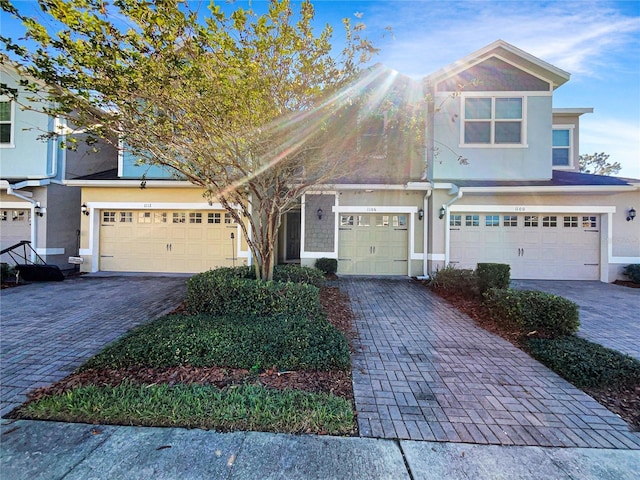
x=293, y=236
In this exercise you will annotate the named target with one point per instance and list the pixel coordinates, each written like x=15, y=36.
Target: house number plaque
x=520, y=209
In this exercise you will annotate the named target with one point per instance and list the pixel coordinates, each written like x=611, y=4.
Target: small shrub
x=327, y=265
x=493, y=275
x=7, y=272
x=525, y=311
x=220, y=292
x=454, y=280
x=298, y=274
x=584, y=363
x=633, y=272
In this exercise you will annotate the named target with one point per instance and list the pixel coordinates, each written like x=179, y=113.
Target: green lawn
x=291, y=342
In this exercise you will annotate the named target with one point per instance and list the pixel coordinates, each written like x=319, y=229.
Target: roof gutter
x=553, y=189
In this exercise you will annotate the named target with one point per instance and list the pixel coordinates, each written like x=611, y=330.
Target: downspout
x=425, y=240
x=447, y=233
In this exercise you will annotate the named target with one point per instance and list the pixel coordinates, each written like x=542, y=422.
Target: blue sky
x=598, y=42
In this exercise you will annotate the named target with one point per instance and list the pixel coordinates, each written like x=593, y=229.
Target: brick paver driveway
x=609, y=314
x=424, y=371
x=49, y=329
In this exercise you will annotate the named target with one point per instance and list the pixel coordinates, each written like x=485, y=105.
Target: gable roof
x=506, y=53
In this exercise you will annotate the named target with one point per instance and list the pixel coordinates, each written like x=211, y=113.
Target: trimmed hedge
x=493, y=275
x=327, y=265
x=221, y=292
x=281, y=273
x=584, y=363
x=525, y=311
x=633, y=272
x=298, y=274
x=454, y=280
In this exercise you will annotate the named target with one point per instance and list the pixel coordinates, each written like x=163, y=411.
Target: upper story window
x=372, y=141
x=6, y=122
x=562, y=152
x=493, y=120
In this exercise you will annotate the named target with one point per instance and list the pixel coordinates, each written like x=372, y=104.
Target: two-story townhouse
x=35, y=205
x=493, y=177
x=521, y=199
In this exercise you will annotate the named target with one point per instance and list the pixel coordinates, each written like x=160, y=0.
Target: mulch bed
x=625, y=402
x=335, y=304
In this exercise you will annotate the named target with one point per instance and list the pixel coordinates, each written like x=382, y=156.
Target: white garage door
x=373, y=244
x=166, y=241
x=544, y=246
x=15, y=226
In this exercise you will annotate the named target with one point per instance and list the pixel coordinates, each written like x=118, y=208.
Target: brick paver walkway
x=424, y=371
x=609, y=314
x=47, y=330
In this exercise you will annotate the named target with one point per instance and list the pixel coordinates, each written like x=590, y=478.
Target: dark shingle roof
x=560, y=178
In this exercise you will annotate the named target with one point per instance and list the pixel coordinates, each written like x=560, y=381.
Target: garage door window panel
x=570, y=222
x=195, y=217
x=492, y=220
x=472, y=220
x=346, y=220
x=530, y=221
x=510, y=220
x=551, y=221
x=589, y=222
x=144, y=217
x=214, y=218
x=455, y=220
x=109, y=217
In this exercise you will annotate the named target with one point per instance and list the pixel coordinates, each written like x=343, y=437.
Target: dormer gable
x=498, y=67
x=494, y=75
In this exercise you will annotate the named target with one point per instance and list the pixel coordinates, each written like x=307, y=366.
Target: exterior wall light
x=631, y=214
x=420, y=214
x=84, y=209
x=38, y=210
x=319, y=212
x=442, y=212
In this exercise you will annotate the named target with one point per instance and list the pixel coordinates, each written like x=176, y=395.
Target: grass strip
x=245, y=407
x=246, y=342
x=584, y=363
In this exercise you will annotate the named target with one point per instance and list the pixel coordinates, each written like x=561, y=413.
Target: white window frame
x=571, y=164
x=11, y=122
x=493, y=96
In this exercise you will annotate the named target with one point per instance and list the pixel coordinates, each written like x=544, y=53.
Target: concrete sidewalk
x=51, y=451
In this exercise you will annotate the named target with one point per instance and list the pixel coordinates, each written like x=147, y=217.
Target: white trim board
x=533, y=208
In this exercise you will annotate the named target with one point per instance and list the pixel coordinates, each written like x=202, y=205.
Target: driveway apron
x=424, y=371
x=47, y=330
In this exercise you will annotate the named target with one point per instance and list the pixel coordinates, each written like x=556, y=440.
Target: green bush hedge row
x=584, y=363
x=220, y=292
x=286, y=342
x=526, y=311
